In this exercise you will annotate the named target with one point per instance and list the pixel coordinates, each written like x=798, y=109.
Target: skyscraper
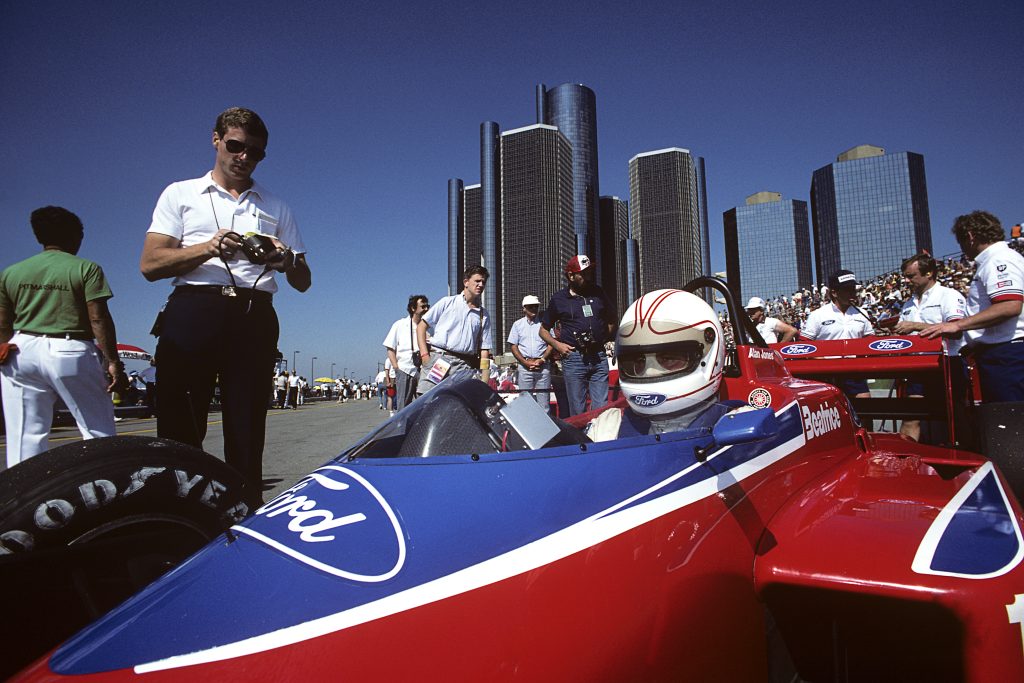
x=767, y=246
x=536, y=218
x=870, y=211
x=572, y=108
x=614, y=233
x=465, y=231
x=664, y=211
x=490, y=214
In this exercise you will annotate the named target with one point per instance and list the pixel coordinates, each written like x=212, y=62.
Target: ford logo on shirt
x=333, y=520
x=890, y=344
x=799, y=349
x=647, y=400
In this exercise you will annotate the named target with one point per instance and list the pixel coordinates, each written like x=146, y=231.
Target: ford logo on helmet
x=647, y=400
x=799, y=349
x=890, y=344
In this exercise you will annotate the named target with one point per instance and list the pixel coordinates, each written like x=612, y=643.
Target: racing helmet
x=670, y=351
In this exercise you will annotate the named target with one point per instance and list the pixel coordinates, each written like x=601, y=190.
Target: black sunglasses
x=237, y=147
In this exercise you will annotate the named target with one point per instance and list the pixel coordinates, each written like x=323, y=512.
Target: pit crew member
x=994, y=325
x=930, y=303
x=840, y=319
x=769, y=328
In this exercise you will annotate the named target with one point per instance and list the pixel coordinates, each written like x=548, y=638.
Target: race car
x=471, y=539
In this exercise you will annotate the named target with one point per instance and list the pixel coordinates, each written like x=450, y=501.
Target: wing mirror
x=741, y=426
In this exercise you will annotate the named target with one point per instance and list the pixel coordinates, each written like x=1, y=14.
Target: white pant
x=35, y=376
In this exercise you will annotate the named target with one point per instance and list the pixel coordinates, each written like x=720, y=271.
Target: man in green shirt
x=57, y=302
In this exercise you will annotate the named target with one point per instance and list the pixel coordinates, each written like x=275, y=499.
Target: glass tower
x=572, y=108
x=456, y=254
x=767, y=247
x=614, y=233
x=665, y=218
x=490, y=215
x=870, y=211
x=536, y=217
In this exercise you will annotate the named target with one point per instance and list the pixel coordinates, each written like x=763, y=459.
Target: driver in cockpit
x=671, y=353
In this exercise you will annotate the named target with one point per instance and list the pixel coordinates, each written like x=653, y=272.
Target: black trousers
x=208, y=338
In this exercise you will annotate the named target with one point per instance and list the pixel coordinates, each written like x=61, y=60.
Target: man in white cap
x=532, y=352
x=585, y=321
x=841, y=318
x=770, y=329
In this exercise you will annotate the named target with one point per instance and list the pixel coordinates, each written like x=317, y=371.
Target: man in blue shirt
x=585, y=321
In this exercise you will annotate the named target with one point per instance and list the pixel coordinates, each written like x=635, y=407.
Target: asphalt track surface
x=298, y=441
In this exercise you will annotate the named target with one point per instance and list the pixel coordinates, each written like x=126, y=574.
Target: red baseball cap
x=578, y=263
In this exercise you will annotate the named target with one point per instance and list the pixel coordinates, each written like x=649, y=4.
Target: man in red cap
x=585, y=321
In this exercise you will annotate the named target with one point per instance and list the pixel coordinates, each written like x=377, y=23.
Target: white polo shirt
x=937, y=305
x=828, y=322
x=192, y=210
x=402, y=338
x=998, y=276
x=526, y=335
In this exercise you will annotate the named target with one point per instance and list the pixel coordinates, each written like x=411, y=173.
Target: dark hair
x=415, y=299
x=56, y=226
x=239, y=117
x=476, y=270
x=925, y=263
x=985, y=227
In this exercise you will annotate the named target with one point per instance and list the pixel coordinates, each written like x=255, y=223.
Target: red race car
x=470, y=539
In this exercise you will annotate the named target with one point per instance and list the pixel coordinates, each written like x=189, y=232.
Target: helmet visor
x=651, y=364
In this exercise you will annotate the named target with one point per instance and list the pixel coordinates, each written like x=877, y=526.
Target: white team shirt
x=828, y=322
x=767, y=330
x=999, y=276
x=937, y=305
x=398, y=338
x=191, y=210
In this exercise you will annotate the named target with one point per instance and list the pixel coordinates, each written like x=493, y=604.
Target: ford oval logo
x=798, y=349
x=336, y=521
x=647, y=400
x=890, y=344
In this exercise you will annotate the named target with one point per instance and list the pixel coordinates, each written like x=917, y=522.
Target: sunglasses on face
x=658, y=364
x=237, y=147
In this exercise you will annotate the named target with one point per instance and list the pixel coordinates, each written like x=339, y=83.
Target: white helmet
x=670, y=351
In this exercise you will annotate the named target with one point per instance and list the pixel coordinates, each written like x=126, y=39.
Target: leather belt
x=77, y=336
x=244, y=293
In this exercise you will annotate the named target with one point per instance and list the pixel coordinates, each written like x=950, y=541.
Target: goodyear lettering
x=96, y=494
x=185, y=484
x=821, y=421
x=53, y=514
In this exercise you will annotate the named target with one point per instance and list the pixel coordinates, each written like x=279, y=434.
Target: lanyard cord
x=220, y=248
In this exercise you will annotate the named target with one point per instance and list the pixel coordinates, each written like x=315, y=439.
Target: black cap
x=842, y=278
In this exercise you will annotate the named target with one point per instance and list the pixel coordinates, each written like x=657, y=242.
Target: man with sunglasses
x=532, y=353
x=220, y=322
x=404, y=351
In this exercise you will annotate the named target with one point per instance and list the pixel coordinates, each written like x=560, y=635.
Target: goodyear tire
x=86, y=525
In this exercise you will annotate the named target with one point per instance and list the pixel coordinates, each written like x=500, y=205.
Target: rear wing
x=898, y=357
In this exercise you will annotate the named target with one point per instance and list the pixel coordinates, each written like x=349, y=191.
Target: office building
x=465, y=231
x=572, y=108
x=664, y=212
x=490, y=214
x=767, y=247
x=869, y=212
x=536, y=219
x=614, y=233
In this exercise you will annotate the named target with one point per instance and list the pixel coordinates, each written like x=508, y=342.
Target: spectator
x=462, y=336
x=929, y=304
x=585, y=321
x=532, y=353
x=57, y=302
x=404, y=350
x=381, y=386
x=220, y=319
x=994, y=324
x=281, y=386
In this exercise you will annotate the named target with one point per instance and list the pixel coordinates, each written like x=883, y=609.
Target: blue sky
x=373, y=106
